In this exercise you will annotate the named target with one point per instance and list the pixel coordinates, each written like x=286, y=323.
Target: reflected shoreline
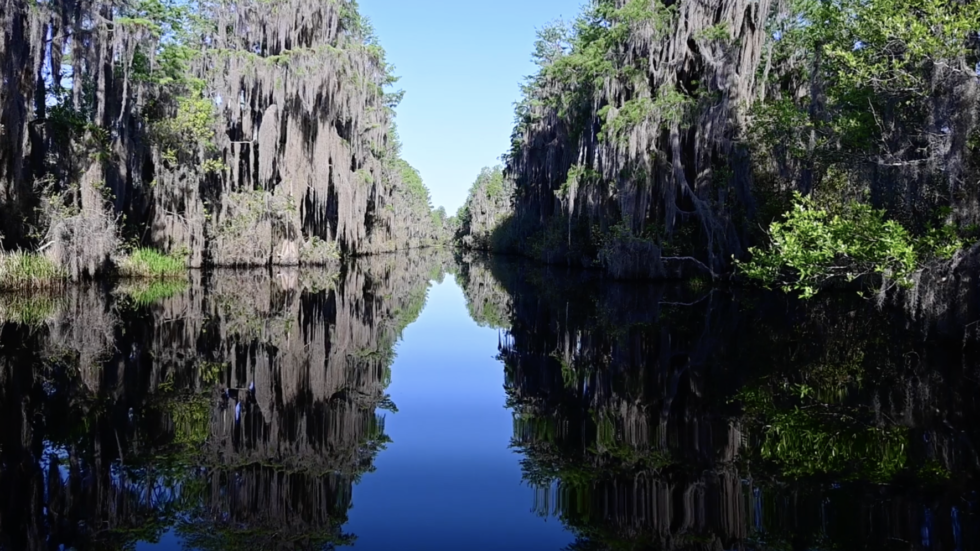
x=682, y=417
x=239, y=409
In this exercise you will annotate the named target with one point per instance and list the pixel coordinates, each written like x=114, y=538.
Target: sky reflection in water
x=449, y=480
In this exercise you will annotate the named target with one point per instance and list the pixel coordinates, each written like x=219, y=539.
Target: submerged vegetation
x=657, y=138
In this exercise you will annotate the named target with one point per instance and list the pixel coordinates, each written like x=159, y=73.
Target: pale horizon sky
x=461, y=64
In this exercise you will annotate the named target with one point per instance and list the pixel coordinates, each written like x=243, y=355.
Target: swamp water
x=421, y=401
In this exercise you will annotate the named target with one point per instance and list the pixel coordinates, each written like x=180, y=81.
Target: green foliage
x=812, y=248
x=553, y=42
x=192, y=125
x=439, y=217
x=617, y=238
x=249, y=208
x=781, y=125
x=210, y=372
x=363, y=36
x=578, y=176
x=169, y=22
x=575, y=60
x=670, y=106
x=598, y=34
x=181, y=116
x=719, y=32
x=151, y=264
x=413, y=184
x=495, y=184
x=620, y=122
x=877, y=68
x=487, y=209
x=490, y=183
x=213, y=166
x=883, y=45
x=851, y=94
x=24, y=271
x=317, y=251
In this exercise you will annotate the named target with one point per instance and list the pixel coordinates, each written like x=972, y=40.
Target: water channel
x=430, y=401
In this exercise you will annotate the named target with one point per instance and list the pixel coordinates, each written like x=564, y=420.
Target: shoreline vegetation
x=142, y=273
x=142, y=136
x=23, y=271
x=29, y=271
x=800, y=145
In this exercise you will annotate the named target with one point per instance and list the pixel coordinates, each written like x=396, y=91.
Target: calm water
x=421, y=401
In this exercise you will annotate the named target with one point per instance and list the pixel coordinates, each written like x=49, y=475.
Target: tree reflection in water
x=685, y=417
x=237, y=411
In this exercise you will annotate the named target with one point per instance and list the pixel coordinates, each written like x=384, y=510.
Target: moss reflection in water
x=682, y=417
x=235, y=413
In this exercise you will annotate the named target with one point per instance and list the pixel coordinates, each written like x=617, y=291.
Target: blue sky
x=461, y=63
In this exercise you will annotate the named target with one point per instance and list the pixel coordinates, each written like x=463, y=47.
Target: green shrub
x=26, y=271
x=813, y=248
x=151, y=264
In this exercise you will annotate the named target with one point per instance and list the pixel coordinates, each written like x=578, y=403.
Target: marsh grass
x=146, y=293
x=20, y=271
x=146, y=263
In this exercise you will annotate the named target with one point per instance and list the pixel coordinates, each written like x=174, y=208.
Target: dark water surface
x=422, y=401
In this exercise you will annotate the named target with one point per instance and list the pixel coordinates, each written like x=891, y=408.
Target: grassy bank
x=20, y=271
x=148, y=263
